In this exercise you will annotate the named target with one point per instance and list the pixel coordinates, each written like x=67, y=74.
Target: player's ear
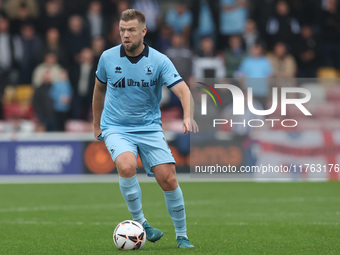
x=144, y=31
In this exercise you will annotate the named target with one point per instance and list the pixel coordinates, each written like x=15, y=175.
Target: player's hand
x=98, y=134
x=190, y=125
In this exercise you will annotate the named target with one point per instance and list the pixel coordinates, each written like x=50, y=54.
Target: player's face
x=131, y=34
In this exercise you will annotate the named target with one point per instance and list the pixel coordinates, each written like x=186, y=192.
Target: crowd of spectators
x=54, y=45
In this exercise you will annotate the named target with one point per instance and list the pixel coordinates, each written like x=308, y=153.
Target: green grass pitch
x=222, y=218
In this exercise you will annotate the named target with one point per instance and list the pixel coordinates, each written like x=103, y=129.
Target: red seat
x=333, y=93
x=16, y=110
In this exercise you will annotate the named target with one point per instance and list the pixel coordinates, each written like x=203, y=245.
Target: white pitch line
x=97, y=206
x=106, y=178
x=61, y=207
x=114, y=223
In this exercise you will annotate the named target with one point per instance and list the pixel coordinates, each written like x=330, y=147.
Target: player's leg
x=158, y=161
x=124, y=154
x=126, y=164
x=166, y=177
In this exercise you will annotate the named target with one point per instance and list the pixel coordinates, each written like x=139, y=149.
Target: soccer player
x=126, y=116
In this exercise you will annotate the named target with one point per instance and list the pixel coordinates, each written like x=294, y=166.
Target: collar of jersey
x=134, y=60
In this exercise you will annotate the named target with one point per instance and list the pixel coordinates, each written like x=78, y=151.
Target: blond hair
x=131, y=14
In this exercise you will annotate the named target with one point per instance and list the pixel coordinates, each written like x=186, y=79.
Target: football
x=129, y=235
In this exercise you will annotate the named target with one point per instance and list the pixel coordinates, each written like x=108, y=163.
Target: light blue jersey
x=134, y=89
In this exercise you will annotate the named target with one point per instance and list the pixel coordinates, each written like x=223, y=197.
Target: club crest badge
x=148, y=69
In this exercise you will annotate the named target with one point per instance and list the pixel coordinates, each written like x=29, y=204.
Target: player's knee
x=127, y=170
x=170, y=183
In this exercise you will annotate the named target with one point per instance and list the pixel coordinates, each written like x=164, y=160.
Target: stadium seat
x=16, y=110
x=327, y=72
x=9, y=95
x=317, y=91
x=171, y=114
x=11, y=110
x=309, y=124
x=337, y=109
x=78, y=126
x=294, y=112
x=2, y=126
x=333, y=93
x=24, y=93
x=324, y=111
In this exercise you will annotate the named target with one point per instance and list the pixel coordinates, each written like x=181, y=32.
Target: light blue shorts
x=151, y=146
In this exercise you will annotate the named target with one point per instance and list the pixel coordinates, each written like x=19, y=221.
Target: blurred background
x=49, y=50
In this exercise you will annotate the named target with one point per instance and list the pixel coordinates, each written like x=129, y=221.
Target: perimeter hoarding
x=40, y=157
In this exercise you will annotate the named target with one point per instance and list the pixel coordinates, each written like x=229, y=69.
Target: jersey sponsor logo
x=148, y=69
x=120, y=83
x=118, y=69
x=132, y=83
x=141, y=83
x=176, y=75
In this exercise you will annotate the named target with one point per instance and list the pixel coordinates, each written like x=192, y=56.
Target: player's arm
x=183, y=93
x=98, y=106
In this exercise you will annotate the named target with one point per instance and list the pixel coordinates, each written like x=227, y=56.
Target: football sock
x=175, y=204
x=133, y=197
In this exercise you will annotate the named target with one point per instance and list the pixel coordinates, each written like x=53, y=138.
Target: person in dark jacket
x=205, y=20
x=307, y=53
x=43, y=105
x=82, y=78
x=331, y=35
x=282, y=27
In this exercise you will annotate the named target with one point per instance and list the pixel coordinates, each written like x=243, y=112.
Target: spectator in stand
x=284, y=65
x=61, y=94
x=307, y=52
x=30, y=46
x=76, y=38
x=109, y=7
x=234, y=55
x=255, y=71
x=153, y=13
x=179, y=19
x=233, y=16
x=51, y=65
x=163, y=42
x=52, y=44
x=98, y=46
x=260, y=11
x=307, y=11
x=282, y=27
x=43, y=104
x=250, y=35
x=331, y=35
x=205, y=21
x=95, y=19
x=181, y=56
x=113, y=8
x=113, y=37
x=52, y=17
x=82, y=78
x=122, y=5
x=9, y=57
x=20, y=12
x=11, y=7
x=207, y=64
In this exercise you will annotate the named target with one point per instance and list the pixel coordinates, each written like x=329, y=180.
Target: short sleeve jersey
x=134, y=86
